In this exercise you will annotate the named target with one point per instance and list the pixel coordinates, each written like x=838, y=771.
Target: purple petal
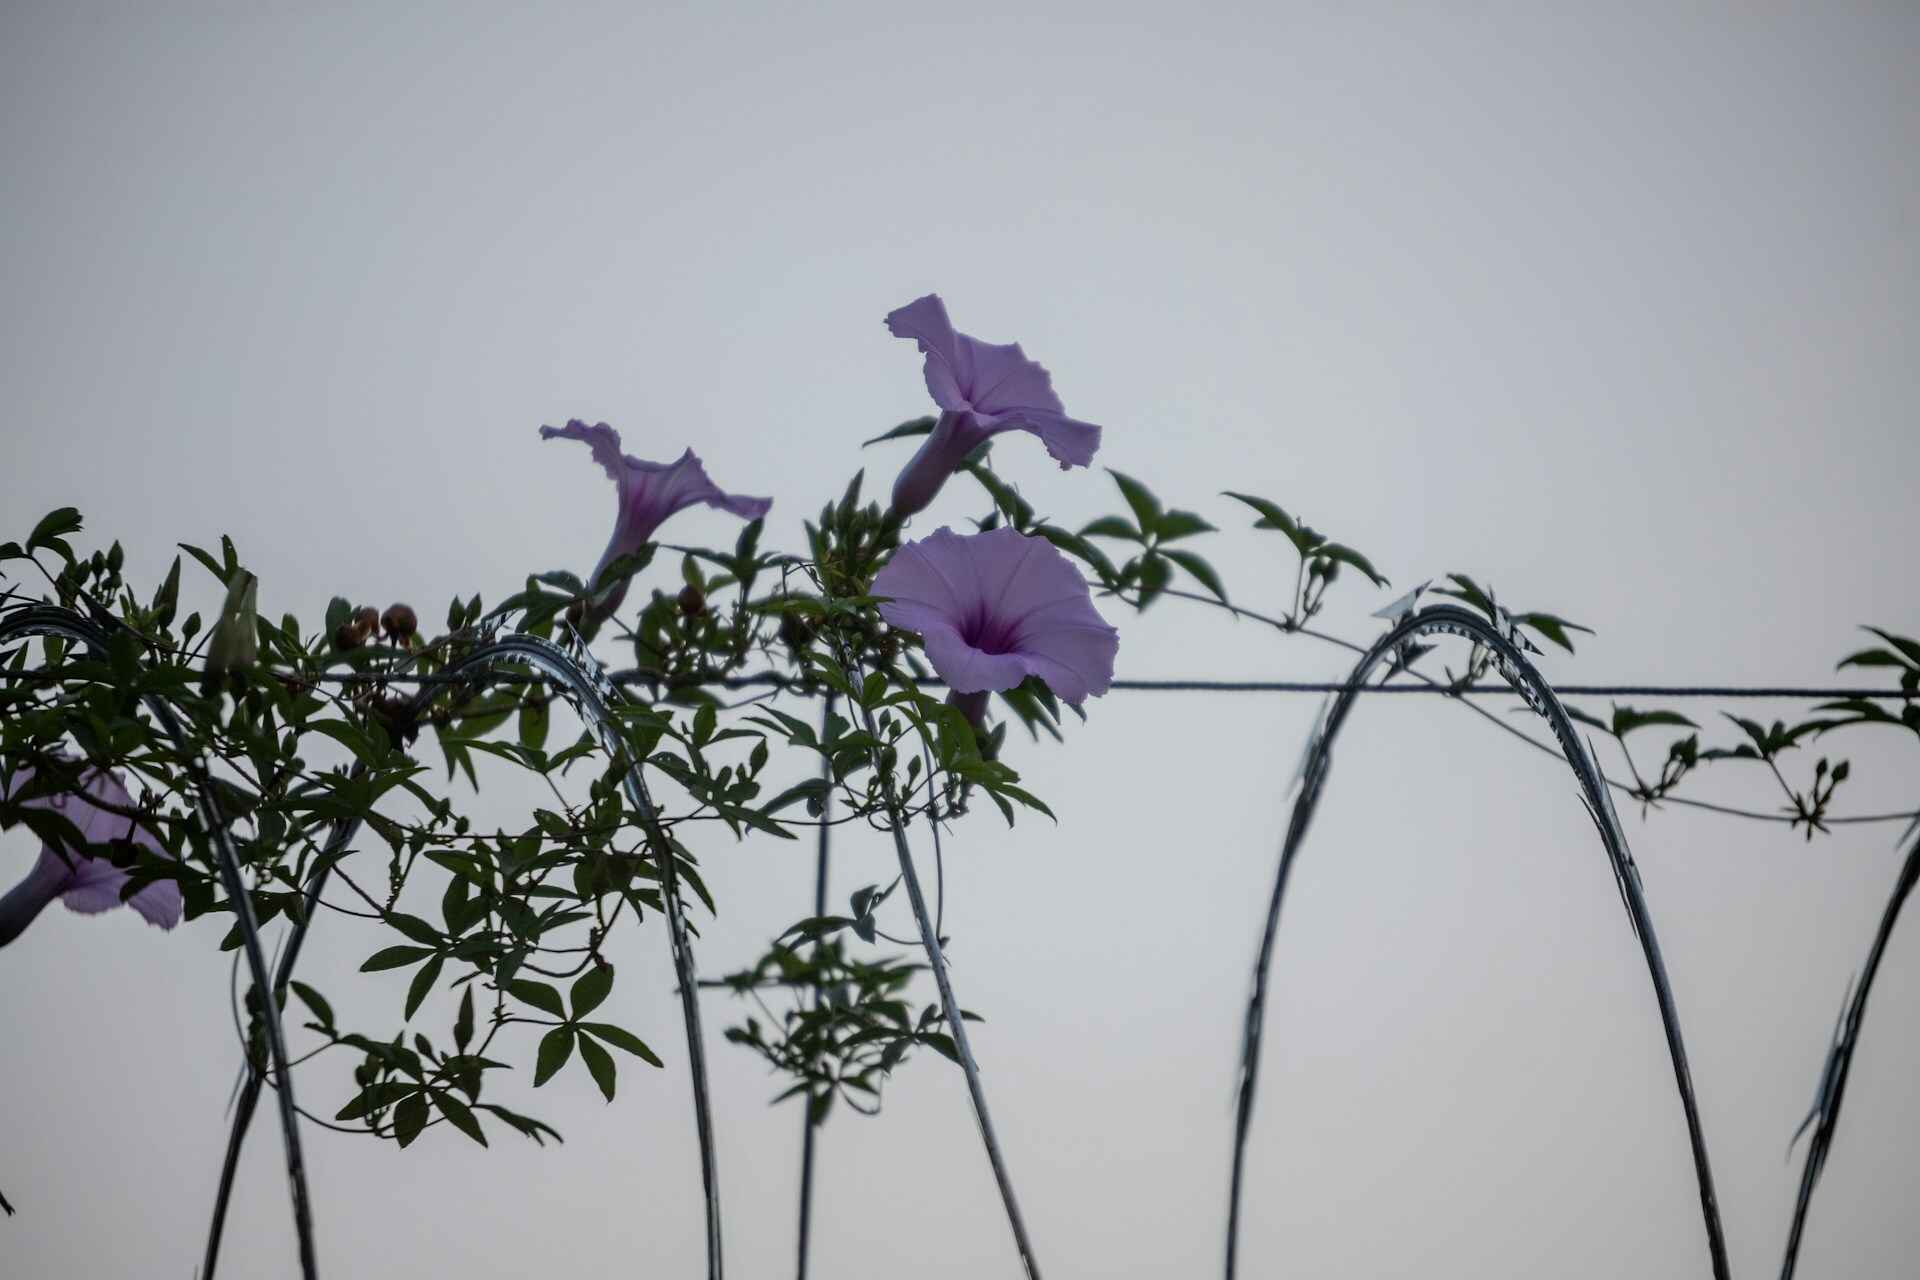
x=970, y=670
x=93, y=886
x=603, y=439
x=1005, y=381
x=159, y=903
x=983, y=388
x=925, y=321
x=88, y=884
x=995, y=607
x=1071, y=443
x=647, y=493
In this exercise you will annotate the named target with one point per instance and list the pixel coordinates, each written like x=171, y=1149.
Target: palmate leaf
x=621, y=1038
x=555, y=1048
x=1909, y=649
x=1202, y=571
x=1076, y=545
x=1334, y=551
x=1304, y=540
x=1145, y=507
x=1626, y=720
x=1465, y=588
x=599, y=1065
x=1552, y=627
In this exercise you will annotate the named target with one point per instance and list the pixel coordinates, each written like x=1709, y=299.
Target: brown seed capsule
x=795, y=632
x=347, y=636
x=365, y=622
x=692, y=602
x=399, y=622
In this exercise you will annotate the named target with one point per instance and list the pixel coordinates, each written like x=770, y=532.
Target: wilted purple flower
x=86, y=884
x=649, y=492
x=982, y=389
x=994, y=608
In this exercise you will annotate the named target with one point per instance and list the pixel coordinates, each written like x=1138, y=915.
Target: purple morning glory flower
x=982, y=389
x=86, y=884
x=649, y=492
x=994, y=608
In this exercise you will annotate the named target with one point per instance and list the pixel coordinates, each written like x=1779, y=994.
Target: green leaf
x=1154, y=576
x=364, y=748
x=1347, y=555
x=1910, y=648
x=1075, y=545
x=1110, y=527
x=416, y=928
x=315, y=1002
x=599, y=1065
x=622, y=1039
x=409, y=1118
x=1199, y=568
x=539, y=995
x=1626, y=720
x=1146, y=507
x=422, y=983
x=535, y=719
x=591, y=989
x=1871, y=658
x=941, y=1041
x=1180, y=524
x=394, y=958
x=463, y=1024
x=207, y=562
x=915, y=427
x=1010, y=504
x=1587, y=718
x=53, y=526
x=458, y=1115
x=555, y=1048
x=1553, y=628
x=1469, y=590
x=1272, y=517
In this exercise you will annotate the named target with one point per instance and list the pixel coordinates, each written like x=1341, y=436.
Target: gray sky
x=1615, y=311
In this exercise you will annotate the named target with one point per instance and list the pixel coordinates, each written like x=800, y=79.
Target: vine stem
x=52, y=620
x=580, y=675
x=249, y=1099
x=1519, y=672
x=930, y=938
x=819, y=909
x=596, y=693
x=1833, y=1080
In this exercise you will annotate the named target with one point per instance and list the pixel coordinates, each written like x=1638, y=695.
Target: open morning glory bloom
x=86, y=884
x=649, y=492
x=994, y=608
x=982, y=389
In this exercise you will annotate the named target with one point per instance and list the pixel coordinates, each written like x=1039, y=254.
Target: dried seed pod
x=795, y=632
x=400, y=622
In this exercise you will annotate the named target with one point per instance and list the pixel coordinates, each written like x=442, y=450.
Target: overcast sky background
x=1615, y=311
